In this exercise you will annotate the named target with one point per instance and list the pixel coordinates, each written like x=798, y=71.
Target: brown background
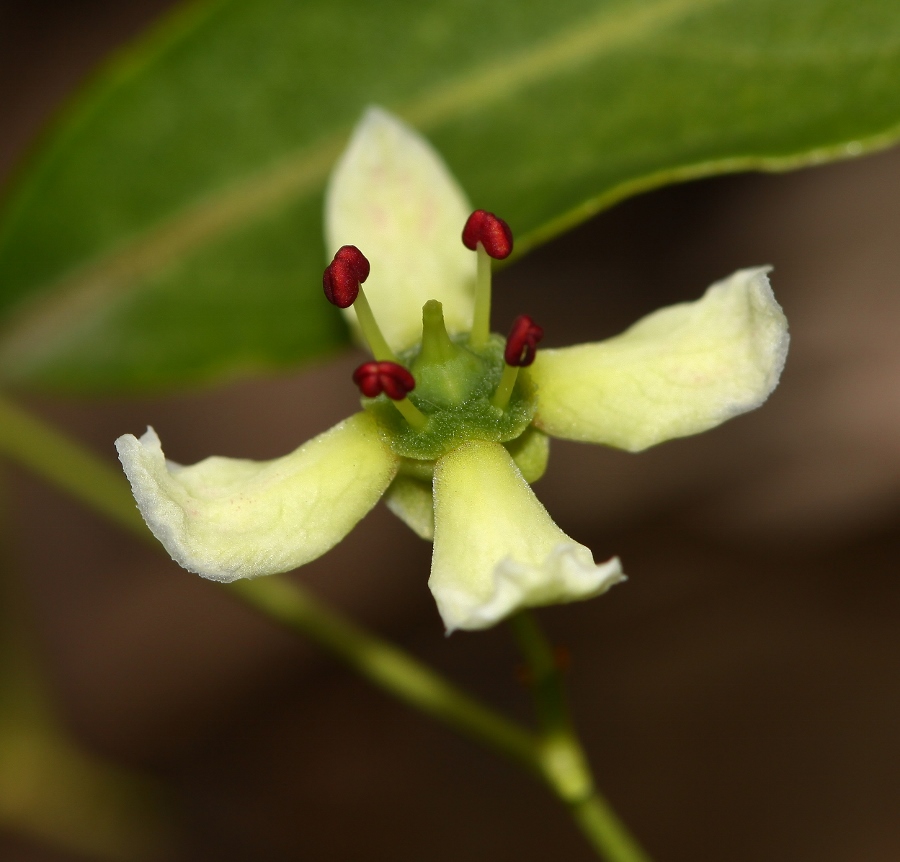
x=738, y=696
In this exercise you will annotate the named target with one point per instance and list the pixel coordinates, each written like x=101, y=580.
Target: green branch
x=390, y=668
x=563, y=761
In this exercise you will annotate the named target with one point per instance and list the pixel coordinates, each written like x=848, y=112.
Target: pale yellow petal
x=531, y=452
x=496, y=550
x=392, y=196
x=411, y=501
x=226, y=518
x=679, y=371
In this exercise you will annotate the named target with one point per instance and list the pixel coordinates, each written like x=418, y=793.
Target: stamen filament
x=416, y=418
x=481, y=323
x=370, y=329
x=504, y=390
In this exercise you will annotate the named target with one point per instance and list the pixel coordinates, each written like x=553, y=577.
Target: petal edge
x=391, y=195
x=496, y=550
x=679, y=371
x=227, y=518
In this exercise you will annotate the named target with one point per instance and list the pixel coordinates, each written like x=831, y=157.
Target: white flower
x=456, y=456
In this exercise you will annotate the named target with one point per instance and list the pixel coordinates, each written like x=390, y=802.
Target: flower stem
x=389, y=668
x=565, y=767
x=63, y=462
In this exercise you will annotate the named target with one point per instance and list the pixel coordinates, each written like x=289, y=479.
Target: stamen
x=370, y=329
x=355, y=259
x=342, y=283
x=396, y=382
x=521, y=347
x=490, y=237
x=521, y=344
x=489, y=230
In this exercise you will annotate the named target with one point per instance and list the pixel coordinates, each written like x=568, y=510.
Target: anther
x=392, y=379
x=521, y=344
x=343, y=276
x=489, y=230
x=355, y=259
x=342, y=283
x=396, y=382
x=490, y=237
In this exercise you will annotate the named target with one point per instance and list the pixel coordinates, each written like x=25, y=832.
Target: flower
x=456, y=421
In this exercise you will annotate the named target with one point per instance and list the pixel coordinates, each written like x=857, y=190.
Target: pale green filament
x=481, y=323
x=370, y=329
x=416, y=418
x=501, y=397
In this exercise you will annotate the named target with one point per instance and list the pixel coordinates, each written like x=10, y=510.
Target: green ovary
x=454, y=386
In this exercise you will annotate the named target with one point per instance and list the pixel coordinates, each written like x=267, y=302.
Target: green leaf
x=169, y=232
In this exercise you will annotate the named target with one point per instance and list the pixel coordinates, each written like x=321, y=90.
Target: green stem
x=564, y=765
x=390, y=668
x=64, y=463
x=27, y=440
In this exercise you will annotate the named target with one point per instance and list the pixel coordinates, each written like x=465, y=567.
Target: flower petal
x=226, y=518
x=392, y=196
x=679, y=371
x=410, y=500
x=496, y=550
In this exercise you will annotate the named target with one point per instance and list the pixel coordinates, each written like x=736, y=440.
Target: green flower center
x=447, y=391
x=454, y=388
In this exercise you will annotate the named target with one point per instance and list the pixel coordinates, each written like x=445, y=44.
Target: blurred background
x=738, y=696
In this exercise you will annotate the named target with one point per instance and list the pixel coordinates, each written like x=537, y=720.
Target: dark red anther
x=521, y=344
x=489, y=230
x=392, y=379
x=355, y=259
x=343, y=276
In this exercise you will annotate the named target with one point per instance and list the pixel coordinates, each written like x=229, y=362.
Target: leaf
x=169, y=232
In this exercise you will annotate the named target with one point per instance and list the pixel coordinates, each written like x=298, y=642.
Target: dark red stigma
x=521, y=344
x=343, y=276
x=489, y=230
x=392, y=379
